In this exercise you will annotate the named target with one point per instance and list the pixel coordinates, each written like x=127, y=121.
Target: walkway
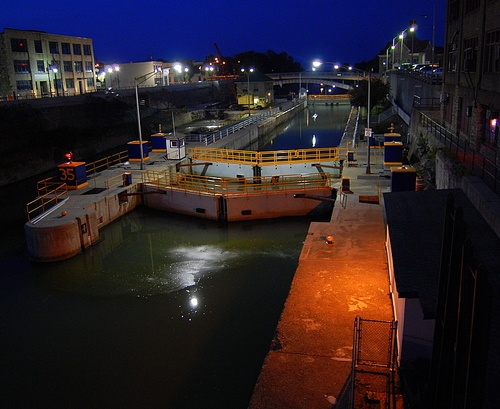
x=310, y=358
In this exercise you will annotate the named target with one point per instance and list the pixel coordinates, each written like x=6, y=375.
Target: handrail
x=265, y=157
x=106, y=163
x=244, y=186
x=47, y=200
x=476, y=163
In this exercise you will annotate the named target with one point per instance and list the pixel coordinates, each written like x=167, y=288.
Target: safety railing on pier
x=474, y=162
x=50, y=193
x=244, y=186
x=105, y=163
x=210, y=138
x=207, y=139
x=265, y=157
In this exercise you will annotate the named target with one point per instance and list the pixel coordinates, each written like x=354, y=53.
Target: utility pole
x=368, y=131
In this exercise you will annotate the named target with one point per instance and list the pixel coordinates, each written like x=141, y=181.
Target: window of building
x=65, y=48
x=40, y=65
x=90, y=82
x=68, y=66
x=24, y=85
x=87, y=49
x=470, y=54
x=58, y=83
x=54, y=47
x=70, y=83
x=78, y=66
x=77, y=49
x=21, y=66
x=491, y=129
x=492, y=54
x=38, y=47
x=18, y=45
x=88, y=66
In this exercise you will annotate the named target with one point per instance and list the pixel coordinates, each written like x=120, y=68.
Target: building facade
x=35, y=64
x=471, y=90
x=254, y=90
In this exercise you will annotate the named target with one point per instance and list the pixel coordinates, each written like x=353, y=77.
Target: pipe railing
x=477, y=164
x=243, y=186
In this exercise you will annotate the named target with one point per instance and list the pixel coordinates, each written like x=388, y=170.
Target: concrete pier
x=309, y=361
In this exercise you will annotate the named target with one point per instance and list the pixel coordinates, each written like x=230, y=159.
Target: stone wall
x=37, y=133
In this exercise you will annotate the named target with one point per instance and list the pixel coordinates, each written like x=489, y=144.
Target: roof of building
x=254, y=77
x=416, y=221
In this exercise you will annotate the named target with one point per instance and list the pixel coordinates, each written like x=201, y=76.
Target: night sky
x=335, y=31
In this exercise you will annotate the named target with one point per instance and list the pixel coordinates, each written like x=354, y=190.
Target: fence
x=245, y=186
x=477, y=164
x=266, y=157
x=371, y=382
x=209, y=138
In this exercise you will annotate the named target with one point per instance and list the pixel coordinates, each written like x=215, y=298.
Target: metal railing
x=49, y=194
x=244, y=186
x=51, y=191
x=105, y=163
x=475, y=163
x=265, y=157
x=209, y=138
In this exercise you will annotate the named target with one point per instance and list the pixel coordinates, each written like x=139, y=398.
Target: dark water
x=318, y=126
x=164, y=312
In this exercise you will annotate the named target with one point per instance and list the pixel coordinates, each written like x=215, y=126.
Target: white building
x=35, y=64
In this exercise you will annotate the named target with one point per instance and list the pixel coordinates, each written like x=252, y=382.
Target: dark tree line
x=267, y=62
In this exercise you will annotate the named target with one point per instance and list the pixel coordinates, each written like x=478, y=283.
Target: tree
x=378, y=92
x=268, y=62
x=5, y=87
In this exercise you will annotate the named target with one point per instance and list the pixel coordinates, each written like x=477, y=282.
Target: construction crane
x=220, y=60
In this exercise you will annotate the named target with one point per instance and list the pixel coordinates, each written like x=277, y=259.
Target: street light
x=116, y=69
x=411, y=29
x=138, y=81
x=368, y=129
x=247, y=72
x=54, y=70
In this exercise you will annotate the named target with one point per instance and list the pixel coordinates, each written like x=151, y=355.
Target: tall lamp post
x=412, y=29
x=56, y=85
x=138, y=81
x=247, y=72
x=368, y=129
x=116, y=69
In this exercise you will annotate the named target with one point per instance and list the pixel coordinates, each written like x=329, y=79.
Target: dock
x=342, y=278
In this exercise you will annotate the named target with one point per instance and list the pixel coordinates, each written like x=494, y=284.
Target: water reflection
x=158, y=253
x=317, y=126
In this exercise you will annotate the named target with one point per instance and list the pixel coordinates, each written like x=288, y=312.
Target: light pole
x=413, y=28
x=54, y=70
x=50, y=85
x=247, y=72
x=369, y=133
x=392, y=47
x=140, y=80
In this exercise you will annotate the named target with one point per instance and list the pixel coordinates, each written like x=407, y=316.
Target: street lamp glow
x=248, y=86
